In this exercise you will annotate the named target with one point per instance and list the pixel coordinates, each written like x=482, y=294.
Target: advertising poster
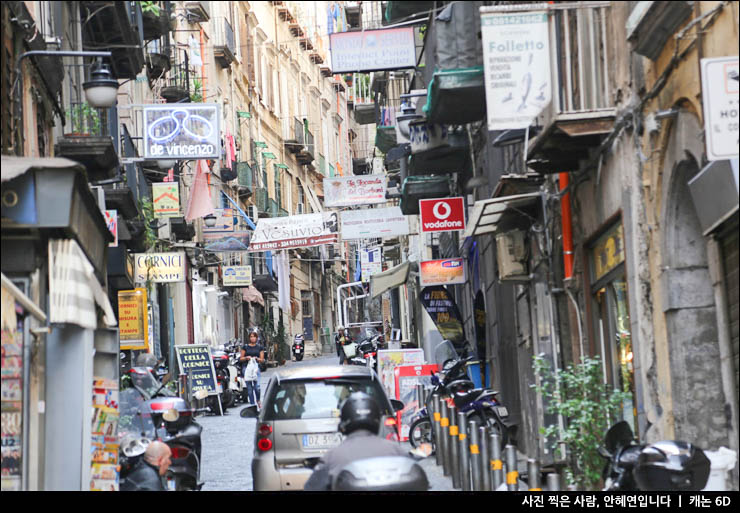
x=196, y=360
x=516, y=58
x=371, y=262
x=372, y=50
x=182, y=131
x=443, y=310
x=159, y=267
x=374, y=223
x=449, y=271
x=303, y=231
x=166, y=199
x=227, y=241
x=407, y=378
x=345, y=191
x=133, y=322
x=389, y=359
x=111, y=219
x=237, y=275
x=12, y=394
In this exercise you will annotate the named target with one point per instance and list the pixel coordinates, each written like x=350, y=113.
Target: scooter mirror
x=249, y=412
x=171, y=415
x=397, y=405
x=201, y=394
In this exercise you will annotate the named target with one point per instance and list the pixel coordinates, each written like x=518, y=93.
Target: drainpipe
x=567, y=223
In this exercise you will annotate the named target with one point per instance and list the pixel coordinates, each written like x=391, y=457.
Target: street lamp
x=210, y=220
x=102, y=88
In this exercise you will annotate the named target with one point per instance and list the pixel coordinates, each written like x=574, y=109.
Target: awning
x=487, y=214
x=23, y=299
x=390, y=279
x=11, y=167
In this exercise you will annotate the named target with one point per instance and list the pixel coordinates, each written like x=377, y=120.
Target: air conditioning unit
x=511, y=252
x=300, y=209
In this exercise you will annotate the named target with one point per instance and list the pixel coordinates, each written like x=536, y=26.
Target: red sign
x=442, y=215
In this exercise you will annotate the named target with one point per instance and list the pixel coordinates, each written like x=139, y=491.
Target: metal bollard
x=497, y=466
x=512, y=474
x=533, y=476
x=420, y=397
x=485, y=473
x=452, y=448
x=553, y=482
x=444, y=435
x=475, y=459
x=462, y=451
x=435, y=416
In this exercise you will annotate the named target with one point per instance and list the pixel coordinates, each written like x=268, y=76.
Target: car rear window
x=319, y=399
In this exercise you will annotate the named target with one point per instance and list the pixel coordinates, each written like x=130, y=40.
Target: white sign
x=182, y=131
x=302, y=231
x=345, y=191
x=372, y=50
x=159, y=267
x=371, y=262
x=516, y=58
x=374, y=223
x=237, y=275
x=719, y=83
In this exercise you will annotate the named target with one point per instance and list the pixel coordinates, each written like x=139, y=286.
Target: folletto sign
x=442, y=214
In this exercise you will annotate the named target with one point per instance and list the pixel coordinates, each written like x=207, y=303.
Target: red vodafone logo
x=442, y=215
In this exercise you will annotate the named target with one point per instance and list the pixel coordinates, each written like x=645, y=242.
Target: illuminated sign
x=178, y=131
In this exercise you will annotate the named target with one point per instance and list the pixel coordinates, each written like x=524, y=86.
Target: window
x=278, y=187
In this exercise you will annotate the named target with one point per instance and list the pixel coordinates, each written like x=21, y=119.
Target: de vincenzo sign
x=182, y=131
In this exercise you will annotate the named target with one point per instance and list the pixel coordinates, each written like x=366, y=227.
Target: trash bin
x=723, y=461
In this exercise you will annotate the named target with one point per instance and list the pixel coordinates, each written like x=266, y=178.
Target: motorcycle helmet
x=671, y=466
x=359, y=411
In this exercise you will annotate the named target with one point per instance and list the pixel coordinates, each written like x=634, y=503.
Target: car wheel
x=421, y=432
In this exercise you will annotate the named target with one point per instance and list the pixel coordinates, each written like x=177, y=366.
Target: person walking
x=342, y=339
x=253, y=354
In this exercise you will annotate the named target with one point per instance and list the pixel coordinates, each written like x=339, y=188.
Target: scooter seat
x=465, y=397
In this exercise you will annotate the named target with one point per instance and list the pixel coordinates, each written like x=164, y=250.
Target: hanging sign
x=441, y=307
x=182, y=131
x=442, y=214
x=224, y=221
x=719, y=84
x=303, y=231
x=374, y=223
x=371, y=262
x=345, y=191
x=111, y=219
x=133, y=322
x=159, y=267
x=166, y=199
x=226, y=241
x=450, y=271
x=195, y=360
x=372, y=50
x=516, y=57
x=237, y=275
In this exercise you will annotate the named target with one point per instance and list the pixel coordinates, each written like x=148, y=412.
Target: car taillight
x=265, y=430
x=179, y=452
x=265, y=444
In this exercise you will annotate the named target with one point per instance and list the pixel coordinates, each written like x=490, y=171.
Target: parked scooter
x=298, y=347
x=223, y=377
x=666, y=466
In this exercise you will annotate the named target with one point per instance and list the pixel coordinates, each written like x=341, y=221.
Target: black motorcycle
x=666, y=466
x=298, y=347
x=221, y=363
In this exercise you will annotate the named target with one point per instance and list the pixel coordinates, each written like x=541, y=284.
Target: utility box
x=511, y=253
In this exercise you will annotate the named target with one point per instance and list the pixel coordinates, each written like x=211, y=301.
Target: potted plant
x=85, y=120
x=197, y=95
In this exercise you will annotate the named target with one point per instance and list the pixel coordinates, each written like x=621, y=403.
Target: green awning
x=456, y=97
x=242, y=114
x=281, y=166
x=268, y=155
x=260, y=144
x=394, y=11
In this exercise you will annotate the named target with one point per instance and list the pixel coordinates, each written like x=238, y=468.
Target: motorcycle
x=223, y=376
x=148, y=409
x=479, y=404
x=298, y=347
x=668, y=465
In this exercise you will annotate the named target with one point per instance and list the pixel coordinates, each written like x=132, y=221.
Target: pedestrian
x=253, y=354
x=342, y=339
x=359, y=422
x=148, y=472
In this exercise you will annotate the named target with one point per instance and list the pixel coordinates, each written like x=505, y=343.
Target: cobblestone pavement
x=228, y=445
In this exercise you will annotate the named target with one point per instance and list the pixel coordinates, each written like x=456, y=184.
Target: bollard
x=512, y=474
x=553, y=482
x=497, y=466
x=533, y=476
x=475, y=459
x=435, y=416
x=444, y=437
x=485, y=472
x=453, y=448
x=462, y=451
x=420, y=397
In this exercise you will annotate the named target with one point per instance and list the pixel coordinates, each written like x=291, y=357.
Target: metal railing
x=223, y=36
x=244, y=174
x=292, y=130
x=309, y=142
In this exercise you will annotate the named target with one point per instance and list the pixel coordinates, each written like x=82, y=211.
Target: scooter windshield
x=444, y=352
x=135, y=418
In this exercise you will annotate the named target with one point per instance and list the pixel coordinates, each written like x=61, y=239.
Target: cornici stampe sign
x=182, y=131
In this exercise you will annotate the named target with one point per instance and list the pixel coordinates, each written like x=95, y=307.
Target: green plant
x=197, y=94
x=150, y=7
x=84, y=119
x=146, y=215
x=281, y=351
x=589, y=407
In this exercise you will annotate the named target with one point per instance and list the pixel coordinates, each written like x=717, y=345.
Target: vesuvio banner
x=182, y=131
x=372, y=50
x=374, y=223
x=441, y=307
x=302, y=231
x=346, y=191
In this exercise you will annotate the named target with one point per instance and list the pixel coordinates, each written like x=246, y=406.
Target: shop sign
x=608, y=252
x=719, y=83
x=111, y=219
x=159, y=267
x=133, y=321
x=372, y=50
x=182, y=132
x=442, y=215
x=374, y=223
x=443, y=310
x=166, y=199
x=237, y=275
x=303, y=231
x=195, y=360
x=227, y=241
x=516, y=58
x=371, y=262
x=354, y=190
x=224, y=221
x=449, y=271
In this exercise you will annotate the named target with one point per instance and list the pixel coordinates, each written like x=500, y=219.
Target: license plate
x=321, y=440
x=171, y=485
x=502, y=411
x=297, y=351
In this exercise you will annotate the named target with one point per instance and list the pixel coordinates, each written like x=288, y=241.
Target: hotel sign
x=182, y=131
x=159, y=267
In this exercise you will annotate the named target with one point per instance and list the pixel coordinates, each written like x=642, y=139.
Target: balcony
x=395, y=11
x=198, y=12
x=261, y=201
x=183, y=230
x=581, y=112
x=456, y=97
x=177, y=83
x=224, y=47
x=293, y=134
x=306, y=154
x=156, y=21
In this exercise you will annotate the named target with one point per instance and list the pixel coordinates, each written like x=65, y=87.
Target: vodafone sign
x=442, y=215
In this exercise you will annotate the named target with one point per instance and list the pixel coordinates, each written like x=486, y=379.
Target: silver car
x=299, y=419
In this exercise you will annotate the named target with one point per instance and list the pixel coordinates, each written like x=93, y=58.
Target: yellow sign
x=166, y=199
x=133, y=321
x=608, y=252
x=159, y=267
